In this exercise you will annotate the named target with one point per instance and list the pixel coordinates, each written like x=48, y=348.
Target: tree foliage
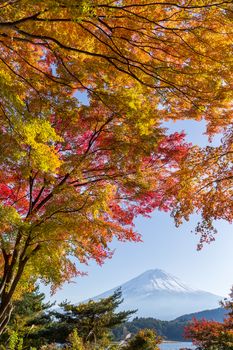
x=88, y=325
x=206, y=173
x=72, y=175
x=169, y=330
x=93, y=321
x=30, y=314
x=145, y=339
x=212, y=335
x=180, y=51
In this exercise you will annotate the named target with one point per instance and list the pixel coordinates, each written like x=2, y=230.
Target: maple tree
x=179, y=51
x=212, y=335
x=75, y=175
x=204, y=186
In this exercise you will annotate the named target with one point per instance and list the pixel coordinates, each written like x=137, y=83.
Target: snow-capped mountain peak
x=154, y=280
x=156, y=293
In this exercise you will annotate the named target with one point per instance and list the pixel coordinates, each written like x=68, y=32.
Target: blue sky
x=164, y=246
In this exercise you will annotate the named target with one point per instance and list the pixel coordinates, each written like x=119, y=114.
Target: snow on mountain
x=158, y=294
x=153, y=280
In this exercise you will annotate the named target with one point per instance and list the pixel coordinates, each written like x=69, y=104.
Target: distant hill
x=160, y=295
x=210, y=315
x=170, y=330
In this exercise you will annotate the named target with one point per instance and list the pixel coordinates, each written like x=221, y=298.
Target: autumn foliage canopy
x=75, y=174
x=212, y=335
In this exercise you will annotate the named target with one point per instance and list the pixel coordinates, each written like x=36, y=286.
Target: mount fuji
x=158, y=294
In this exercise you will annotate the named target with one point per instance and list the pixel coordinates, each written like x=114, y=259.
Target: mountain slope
x=158, y=294
x=210, y=315
x=170, y=330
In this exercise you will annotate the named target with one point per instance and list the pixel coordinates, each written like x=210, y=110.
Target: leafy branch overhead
x=74, y=175
x=182, y=51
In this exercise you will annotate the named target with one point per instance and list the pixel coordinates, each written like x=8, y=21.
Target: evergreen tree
x=93, y=320
x=30, y=314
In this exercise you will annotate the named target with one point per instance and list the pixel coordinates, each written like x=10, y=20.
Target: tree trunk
x=8, y=290
x=4, y=320
x=6, y=307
